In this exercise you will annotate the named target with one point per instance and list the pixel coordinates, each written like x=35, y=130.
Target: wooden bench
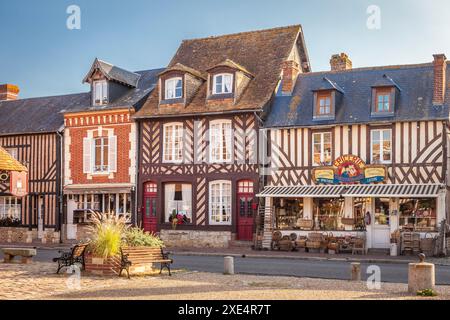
x=75, y=255
x=27, y=254
x=136, y=256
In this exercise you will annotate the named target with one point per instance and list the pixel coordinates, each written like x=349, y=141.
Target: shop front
x=352, y=200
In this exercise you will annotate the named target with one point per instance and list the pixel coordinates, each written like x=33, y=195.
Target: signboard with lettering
x=349, y=169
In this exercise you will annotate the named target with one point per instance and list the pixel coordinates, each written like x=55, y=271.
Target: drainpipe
x=61, y=184
x=137, y=164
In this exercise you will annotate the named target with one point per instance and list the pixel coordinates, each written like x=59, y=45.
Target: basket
x=301, y=243
x=285, y=245
x=305, y=224
x=348, y=221
x=427, y=244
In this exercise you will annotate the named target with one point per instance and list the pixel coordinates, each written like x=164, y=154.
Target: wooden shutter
x=87, y=156
x=112, y=154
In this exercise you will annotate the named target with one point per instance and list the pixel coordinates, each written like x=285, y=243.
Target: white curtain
x=187, y=200
x=169, y=195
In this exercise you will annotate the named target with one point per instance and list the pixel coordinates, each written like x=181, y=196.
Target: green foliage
x=9, y=222
x=136, y=237
x=427, y=293
x=106, y=231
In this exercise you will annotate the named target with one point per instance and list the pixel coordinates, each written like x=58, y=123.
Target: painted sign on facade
x=19, y=183
x=349, y=169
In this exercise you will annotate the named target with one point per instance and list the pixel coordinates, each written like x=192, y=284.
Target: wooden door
x=149, y=216
x=247, y=207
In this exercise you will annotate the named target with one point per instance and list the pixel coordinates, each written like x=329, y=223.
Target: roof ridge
x=46, y=97
x=388, y=67
x=242, y=33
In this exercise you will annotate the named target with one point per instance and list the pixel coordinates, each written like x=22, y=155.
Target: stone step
x=241, y=244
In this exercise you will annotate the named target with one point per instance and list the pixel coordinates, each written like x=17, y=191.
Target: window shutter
x=112, y=154
x=374, y=100
x=87, y=149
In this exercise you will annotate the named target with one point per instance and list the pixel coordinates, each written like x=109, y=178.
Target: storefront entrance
x=246, y=210
x=149, y=211
x=381, y=223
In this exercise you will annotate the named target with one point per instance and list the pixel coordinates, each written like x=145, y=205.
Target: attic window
x=174, y=88
x=323, y=107
x=100, y=93
x=383, y=101
x=223, y=83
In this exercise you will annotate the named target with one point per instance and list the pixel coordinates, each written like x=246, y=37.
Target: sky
x=40, y=54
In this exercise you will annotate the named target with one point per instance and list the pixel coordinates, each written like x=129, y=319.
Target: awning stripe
x=384, y=190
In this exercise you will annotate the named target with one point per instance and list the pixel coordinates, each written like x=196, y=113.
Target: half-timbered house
x=100, y=145
x=31, y=132
x=198, y=147
x=359, y=152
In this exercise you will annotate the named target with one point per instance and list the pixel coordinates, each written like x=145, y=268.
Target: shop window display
x=360, y=207
x=327, y=213
x=289, y=214
x=418, y=214
x=381, y=211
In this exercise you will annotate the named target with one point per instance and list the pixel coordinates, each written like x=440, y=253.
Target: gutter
x=61, y=194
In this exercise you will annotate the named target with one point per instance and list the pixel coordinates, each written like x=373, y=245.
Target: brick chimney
x=439, y=81
x=340, y=62
x=291, y=70
x=8, y=92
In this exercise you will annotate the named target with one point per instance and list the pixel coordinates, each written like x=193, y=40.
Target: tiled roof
x=231, y=64
x=115, y=73
x=45, y=114
x=414, y=101
x=8, y=163
x=261, y=53
x=183, y=68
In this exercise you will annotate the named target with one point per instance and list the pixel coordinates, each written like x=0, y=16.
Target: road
x=390, y=272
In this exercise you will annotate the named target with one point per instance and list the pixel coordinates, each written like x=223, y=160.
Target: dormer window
x=223, y=83
x=174, y=88
x=383, y=101
x=323, y=107
x=100, y=92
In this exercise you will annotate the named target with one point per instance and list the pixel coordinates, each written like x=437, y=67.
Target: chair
x=359, y=245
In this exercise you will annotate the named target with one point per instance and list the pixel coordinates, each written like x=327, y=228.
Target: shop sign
x=4, y=176
x=349, y=169
x=19, y=183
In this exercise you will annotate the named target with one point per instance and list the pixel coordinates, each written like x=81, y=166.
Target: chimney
x=340, y=62
x=9, y=92
x=439, y=81
x=291, y=69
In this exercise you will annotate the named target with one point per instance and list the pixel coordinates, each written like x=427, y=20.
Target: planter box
x=100, y=266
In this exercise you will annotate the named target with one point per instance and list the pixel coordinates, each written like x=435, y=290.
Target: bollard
x=355, y=271
x=228, y=265
x=421, y=276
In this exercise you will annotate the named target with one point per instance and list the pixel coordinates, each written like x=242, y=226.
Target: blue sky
x=43, y=57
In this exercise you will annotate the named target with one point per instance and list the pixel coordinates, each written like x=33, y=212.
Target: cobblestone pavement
x=38, y=281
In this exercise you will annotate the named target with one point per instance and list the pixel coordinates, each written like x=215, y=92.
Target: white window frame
x=221, y=202
x=322, y=147
x=173, y=156
x=13, y=209
x=230, y=76
x=381, y=131
x=101, y=85
x=171, y=84
x=102, y=155
x=220, y=140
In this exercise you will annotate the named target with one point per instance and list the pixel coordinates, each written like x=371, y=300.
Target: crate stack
x=410, y=243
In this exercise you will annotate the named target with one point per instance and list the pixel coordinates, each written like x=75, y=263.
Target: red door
x=149, y=217
x=247, y=206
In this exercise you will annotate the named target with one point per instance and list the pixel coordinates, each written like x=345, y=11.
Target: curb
x=257, y=256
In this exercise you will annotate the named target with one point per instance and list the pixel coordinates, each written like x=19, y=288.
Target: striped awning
x=320, y=191
x=394, y=190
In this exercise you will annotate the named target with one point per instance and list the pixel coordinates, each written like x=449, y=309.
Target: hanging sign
x=19, y=183
x=4, y=176
x=349, y=169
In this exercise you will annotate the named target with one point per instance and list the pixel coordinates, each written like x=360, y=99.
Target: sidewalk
x=246, y=252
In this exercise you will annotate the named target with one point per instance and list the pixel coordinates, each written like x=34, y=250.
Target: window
x=381, y=211
x=100, y=92
x=12, y=152
x=10, y=207
x=383, y=103
x=178, y=202
x=173, y=142
x=322, y=148
x=220, y=139
x=323, y=107
x=174, y=88
x=223, y=83
x=418, y=214
x=101, y=154
x=220, y=203
x=245, y=186
x=151, y=187
x=381, y=146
